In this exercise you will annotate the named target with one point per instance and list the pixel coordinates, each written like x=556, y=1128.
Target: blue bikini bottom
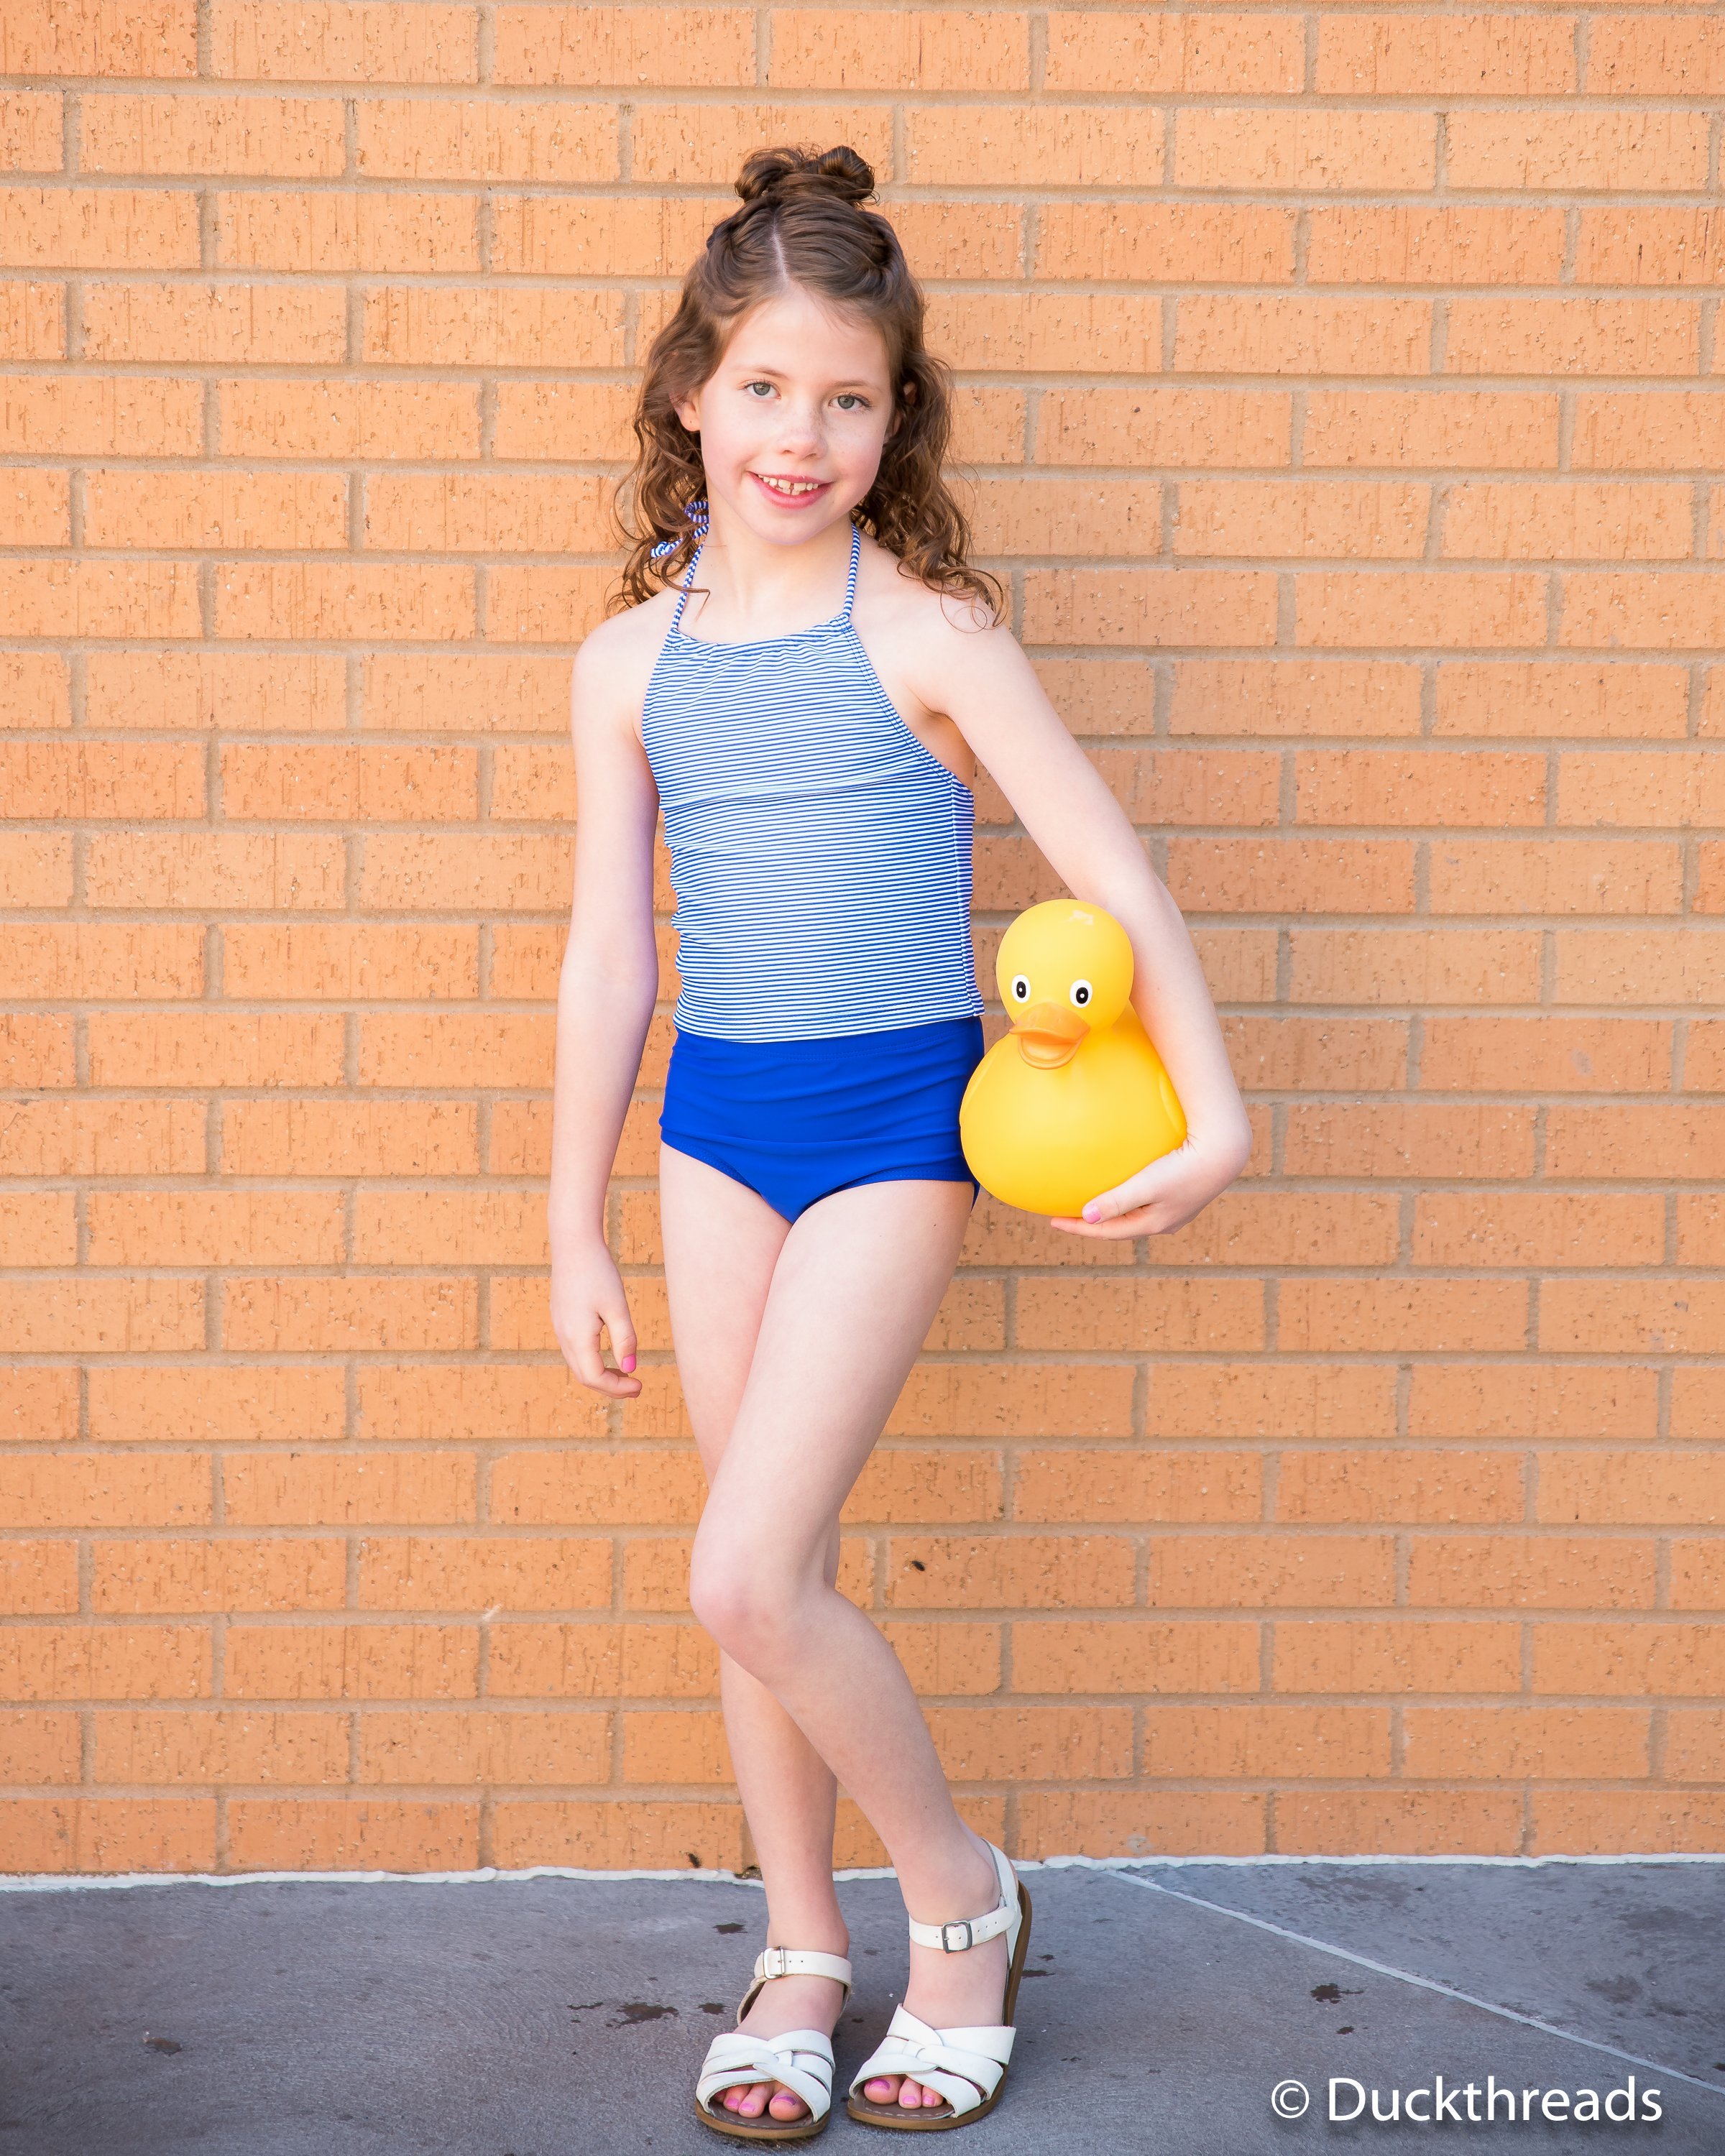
x=797, y=1120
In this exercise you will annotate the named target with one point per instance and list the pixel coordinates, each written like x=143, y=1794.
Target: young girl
x=807, y=716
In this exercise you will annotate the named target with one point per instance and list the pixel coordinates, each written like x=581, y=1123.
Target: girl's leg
x=856, y=1284
x=721, y=1243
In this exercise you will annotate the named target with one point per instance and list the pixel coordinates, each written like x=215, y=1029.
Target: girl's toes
x=883, y=2089
x=911, y=2094
x=786, y=2103
x=753, y=2102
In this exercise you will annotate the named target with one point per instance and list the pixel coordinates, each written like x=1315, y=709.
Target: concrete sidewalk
x=566, y=2017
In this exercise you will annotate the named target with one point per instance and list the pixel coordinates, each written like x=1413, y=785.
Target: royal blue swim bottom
x=797, y=1120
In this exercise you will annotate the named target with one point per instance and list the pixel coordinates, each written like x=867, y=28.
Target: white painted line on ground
x=75, y=1883
x=1423, y=1983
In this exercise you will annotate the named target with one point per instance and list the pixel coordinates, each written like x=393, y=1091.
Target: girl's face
x=792, y=420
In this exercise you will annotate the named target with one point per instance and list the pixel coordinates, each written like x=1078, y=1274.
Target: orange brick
x=1008, y=1572
x=1573, y=336
x=1654, y=57
x=99, y=38
x=1115, y=1487
x=276, y=137
x=68, y=1315
x=1295, y=696
x=98, y=598
x=35, y=867
x=422, y=138
x=419, y=1401
x=1086, y=146
x=1546, y=1743
x=599, y=1834
x=1135, y=1823
x=450, y=1049
x=1642, y=610
x=288, y=324
x=1547, y=876
x=1444, y=55
x=1563, y=697
x=434, y=420
x=1697, y=1573
x=1293, y=1055
x=1546, y=1055
x=460, y=693
x=190, y=1048
x=1389, y=1316
x=1165, y=243
x=141, y=1579
x=98, y=228
x=1314, y=149
x=1171, y=427
x=1641, y=1658
x=667, y=45
x=1304, y=875
x=1453, y=1822
x=1632, y=1317
x=695, y=143
x=1438, y=786
x=214, y=869
x=935, y=49
x=366, y=783
x=545, y=605
x=1592, y=150
x=1243, y=1742
x=1704, y=1061
x=39, y=1403
x=1270, y=1570
x=1160, y=1315
x=86, y=1834
x=297, y=599
x=162, y=1489
x=1146, y=54
x=37, y=1228
x=1412, y=607
x=30, y=132
x=600, y=235
x=217, y=1745
x=36, y=511
x=1225, y=333
x=103, y=1137
x=267, y=230
x=1656, y=429
x=38, y=1579
x=1404, y=1487
x=1631, y=1489
x=1130, y=1654
x=1511, y=429
x=215, y=509
x=68, y=1662
x=1396, y=1654
x=531, y=784
x=90, y=778
x=1368, y=520
x=513, y=1571
x=1417, y=965
x=1537, y=1229
x=595, y=1660
x=333, y=961
x=300, y=1313
x=141, y=1228
x=363, y=1660
x=1037, y=515
x=1153, y=608
x=372, y=1833
x=210, y=689
x=515, y=872
x=344, y=41
x=36, y=1051
x=39, y=1748
x=469, y=1744
x=339, y=1136
x=1511, y=521
x=1533, y=1572
x=1642, y=244
x=560, y=423
x=32, y=321
x=1606, y=966
x=1656, y=1141
x=408, y=324
x=486, y=513
x=676, y=1746
x=1429, y=244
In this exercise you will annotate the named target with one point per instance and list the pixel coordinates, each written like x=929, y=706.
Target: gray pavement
x=566, y=2017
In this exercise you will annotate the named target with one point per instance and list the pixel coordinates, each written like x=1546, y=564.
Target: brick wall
x=1341, y=389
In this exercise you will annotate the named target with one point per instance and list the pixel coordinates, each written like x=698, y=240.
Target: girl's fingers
x=623, y=1337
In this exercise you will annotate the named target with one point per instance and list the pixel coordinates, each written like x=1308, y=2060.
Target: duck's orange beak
x=1048, y=1034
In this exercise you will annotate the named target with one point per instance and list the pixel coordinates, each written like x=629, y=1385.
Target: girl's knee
x=749, y=1604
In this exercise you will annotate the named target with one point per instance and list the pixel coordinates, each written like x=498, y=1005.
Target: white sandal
x=801, y=2058
x=967, y=2065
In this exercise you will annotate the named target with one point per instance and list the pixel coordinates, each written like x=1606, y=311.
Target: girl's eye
x=849, y=399
x=1080, y=993
x=1021, y=988
x=749, y=386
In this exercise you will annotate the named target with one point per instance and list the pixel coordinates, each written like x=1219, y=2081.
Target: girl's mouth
x=788, y=491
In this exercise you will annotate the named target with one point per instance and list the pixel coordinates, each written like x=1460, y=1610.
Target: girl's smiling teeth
x=787, y=489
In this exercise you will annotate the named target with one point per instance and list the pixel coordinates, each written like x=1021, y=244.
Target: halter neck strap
x=844, y=614
x=683, y=595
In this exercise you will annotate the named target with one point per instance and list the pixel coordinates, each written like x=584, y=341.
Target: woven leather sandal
x=801, y=2058
x=967, y=2065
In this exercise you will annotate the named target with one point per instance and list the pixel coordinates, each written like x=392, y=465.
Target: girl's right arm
x=605, y=996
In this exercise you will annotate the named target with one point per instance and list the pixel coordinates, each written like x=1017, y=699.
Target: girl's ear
x=906, y=397
x=688, y=410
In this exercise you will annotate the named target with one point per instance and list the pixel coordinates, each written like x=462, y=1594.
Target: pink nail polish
x=628, y=1362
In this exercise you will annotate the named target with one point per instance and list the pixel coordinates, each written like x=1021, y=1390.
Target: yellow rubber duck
x=1074, y=1099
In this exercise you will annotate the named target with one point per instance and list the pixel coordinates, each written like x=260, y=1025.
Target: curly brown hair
x=801, y=222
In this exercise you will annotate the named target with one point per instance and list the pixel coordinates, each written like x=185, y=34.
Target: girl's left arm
x=984, y=681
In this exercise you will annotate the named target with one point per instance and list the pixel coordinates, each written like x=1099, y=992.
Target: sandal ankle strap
x=800, y=1961
x=967, y=1932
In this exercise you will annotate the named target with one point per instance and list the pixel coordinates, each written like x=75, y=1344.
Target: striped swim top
x=819, y=851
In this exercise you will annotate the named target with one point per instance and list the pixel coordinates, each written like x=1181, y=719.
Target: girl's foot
x=952, y=1990
x=788, y=2002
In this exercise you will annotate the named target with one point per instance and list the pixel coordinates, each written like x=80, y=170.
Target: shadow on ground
x=558, y=2017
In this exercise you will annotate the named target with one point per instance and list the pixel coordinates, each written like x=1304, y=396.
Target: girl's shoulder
x=615, y=661
x=940, y=624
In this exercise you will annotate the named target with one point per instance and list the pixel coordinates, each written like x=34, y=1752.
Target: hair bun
x=780, y=174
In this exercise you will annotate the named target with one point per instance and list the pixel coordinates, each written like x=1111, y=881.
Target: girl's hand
x=1166, y=1194
x=586, y=1293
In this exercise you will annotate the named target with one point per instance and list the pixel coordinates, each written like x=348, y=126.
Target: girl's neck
x=757, y=590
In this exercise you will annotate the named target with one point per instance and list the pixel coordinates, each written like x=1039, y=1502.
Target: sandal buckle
x=959, y=1924
x=774, y=1959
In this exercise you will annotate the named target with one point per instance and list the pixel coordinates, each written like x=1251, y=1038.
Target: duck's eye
x=1080, y=993
x=1021, y=988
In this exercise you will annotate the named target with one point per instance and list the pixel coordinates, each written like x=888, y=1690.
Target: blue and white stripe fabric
x=820, y=853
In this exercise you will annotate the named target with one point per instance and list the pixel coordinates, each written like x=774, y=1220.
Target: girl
x=807, y=717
